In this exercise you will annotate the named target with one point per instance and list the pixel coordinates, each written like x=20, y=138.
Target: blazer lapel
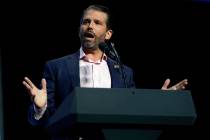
x=73, y=69
x=115, y=73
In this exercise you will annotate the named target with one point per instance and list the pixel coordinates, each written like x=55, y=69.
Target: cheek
x=102, y=36
x=81, y=31
x=82, y=28
x=80, y=34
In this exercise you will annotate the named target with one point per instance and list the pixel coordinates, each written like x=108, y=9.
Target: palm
x=38, y=96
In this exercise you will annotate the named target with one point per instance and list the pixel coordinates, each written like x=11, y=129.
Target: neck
x=93, y=54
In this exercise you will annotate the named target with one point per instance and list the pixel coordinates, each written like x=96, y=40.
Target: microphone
x=104, y=47
x=111, y=52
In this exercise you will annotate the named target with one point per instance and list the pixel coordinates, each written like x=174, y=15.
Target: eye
x=85, y=21
x=98, y=22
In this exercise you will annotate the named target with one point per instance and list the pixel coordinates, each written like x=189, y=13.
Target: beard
x=90, y=44
x=90, y=41
x=87, y=45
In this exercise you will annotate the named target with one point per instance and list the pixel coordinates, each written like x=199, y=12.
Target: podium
x=123, y=114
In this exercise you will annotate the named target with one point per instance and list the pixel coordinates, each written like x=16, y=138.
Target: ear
x=108, y=34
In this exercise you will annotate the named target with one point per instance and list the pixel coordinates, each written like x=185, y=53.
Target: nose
x=91, y=24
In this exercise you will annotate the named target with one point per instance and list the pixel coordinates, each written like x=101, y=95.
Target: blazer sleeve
x=130, y=78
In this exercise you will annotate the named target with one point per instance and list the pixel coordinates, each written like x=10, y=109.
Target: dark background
x=158, y=39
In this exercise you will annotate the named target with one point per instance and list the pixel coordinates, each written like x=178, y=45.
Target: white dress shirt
x=94, y=74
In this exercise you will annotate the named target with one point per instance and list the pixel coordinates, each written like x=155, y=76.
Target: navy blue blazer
x=62, y=75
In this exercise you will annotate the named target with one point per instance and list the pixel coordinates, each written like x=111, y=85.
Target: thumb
x=165, y=85
x=44, y=84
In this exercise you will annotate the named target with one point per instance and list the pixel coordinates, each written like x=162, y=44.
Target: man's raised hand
x=179, y=86
x=38, y=96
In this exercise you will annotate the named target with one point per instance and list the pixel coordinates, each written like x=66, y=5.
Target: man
x=89, y=67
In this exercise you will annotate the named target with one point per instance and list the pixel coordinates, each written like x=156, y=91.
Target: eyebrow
x=95, y=20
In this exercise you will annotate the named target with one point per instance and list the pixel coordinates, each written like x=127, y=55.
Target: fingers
x=184, y=82
x=181, y=85
x=26, y=85
x=165, y=85
x=44, y=84
x=30, y=86
x=27, y=82
x=38, y=96
x=172, y=88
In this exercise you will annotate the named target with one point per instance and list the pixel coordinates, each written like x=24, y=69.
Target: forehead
x=95, y=14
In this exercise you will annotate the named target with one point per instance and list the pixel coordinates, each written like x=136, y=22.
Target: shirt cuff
x=39, y=112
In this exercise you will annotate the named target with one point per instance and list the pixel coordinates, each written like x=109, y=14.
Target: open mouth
x=89, y=35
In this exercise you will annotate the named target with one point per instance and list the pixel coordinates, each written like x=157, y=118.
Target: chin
x=89, y=45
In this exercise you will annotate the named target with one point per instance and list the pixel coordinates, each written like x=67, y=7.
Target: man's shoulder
x=64, y=58
x=128, y=68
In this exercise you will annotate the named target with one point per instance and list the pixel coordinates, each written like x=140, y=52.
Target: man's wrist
x=39, y=112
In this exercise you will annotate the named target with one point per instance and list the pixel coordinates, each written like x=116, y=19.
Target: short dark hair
x=100, y=8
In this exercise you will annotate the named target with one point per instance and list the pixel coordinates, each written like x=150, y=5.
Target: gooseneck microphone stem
x=120, y=64
x=112, y=53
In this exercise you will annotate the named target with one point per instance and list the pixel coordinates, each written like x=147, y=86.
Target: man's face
x=93, y=29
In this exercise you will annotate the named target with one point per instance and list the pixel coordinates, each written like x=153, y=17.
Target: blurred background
x=158, y=39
